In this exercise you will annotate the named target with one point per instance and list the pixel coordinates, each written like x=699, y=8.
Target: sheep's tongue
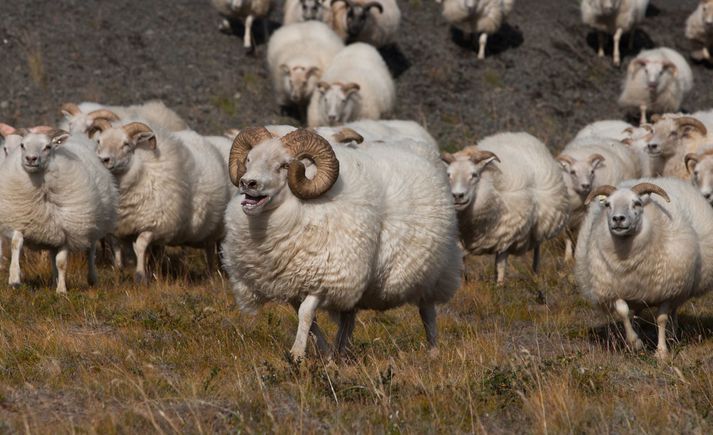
x=252, y=200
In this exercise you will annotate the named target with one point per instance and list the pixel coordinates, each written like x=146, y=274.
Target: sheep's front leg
x=643, y=109
x=140, y=246
x=622, y=309
x=601, y=39
x=617, y=39
x=60, y=261
x=428, y=317
x=305, y=315
x=661, y=320
x=481, y=45
x=674, y=323
x=568, y=250
x=347, y=320
x=16, y=247
x=92, y=265
x=536, y=259
x=116, y=249
x=247, y=37
x=501, y=264
x=319, y=337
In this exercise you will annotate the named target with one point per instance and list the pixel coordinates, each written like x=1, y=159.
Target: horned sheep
x=699, y=30
x=674, y=136
x=297, y=11
x=637, y=250
x=613, y=17
x=356, y=85
x=483, y=17
x=78, y=118
x=509, y=196
x=374, y=22
x=289, y=238
x=656, y=80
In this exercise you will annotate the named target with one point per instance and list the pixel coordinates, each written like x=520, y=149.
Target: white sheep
x=656, y=80
x=78, y=118
x=172, y=188
x=699, y=30
x=297, y=11
x=243, y=10
x=483, y=17
x=297, y=56
x=636, y=251
x=356, y=85
x=54, y=197
x=342, y=240
x=700, y=166
x=612, y=128
x=509, y=196
x=638, y=138
x=590, y=162
x=675, y=136
x=374, y=22
x=613, y=17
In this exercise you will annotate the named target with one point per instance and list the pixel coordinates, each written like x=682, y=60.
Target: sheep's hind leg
x=347, y=320
x=568, y=250
x=536, y=259
x=92, y=265
x=661, y=320
x=601, y=39
x=631, y=338
x=305, y=314
x=428, y=317
x=140, y=246
x=617, y=39
x=501, y=264
x=482, y=41
x=247, y=37
x=60, y=260
x=16, y=247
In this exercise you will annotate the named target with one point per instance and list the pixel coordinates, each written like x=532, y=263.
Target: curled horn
x=376, y=5
x=231, y=133
x=242, y=144
x=648, y=188
x=349, y=87
x=103, y=113
x=604, y=190
x=99, y=125
x=70, y=108
x=690, y=157
x=671, y=67
x=303, y=144
x=636, y=64
x=477, y=156
x=347, y=135
x=596, y=158
x=689, y=121
x=134, y=128
x=565, y=159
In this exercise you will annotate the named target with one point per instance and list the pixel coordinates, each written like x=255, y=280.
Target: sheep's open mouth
x=620, y=230
x=252, y=202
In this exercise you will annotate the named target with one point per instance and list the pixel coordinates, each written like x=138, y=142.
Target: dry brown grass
x=178, y=357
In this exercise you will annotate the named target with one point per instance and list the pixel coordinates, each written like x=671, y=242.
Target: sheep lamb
x=699, y=30
x=325, y=227
x=613, y=17
x=483, y=17
x=509, y=196
x=637, y=250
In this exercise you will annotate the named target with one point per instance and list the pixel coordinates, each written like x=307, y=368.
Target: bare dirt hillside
x=541, y=74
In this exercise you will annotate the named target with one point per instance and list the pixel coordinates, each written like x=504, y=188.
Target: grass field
x=177, y=356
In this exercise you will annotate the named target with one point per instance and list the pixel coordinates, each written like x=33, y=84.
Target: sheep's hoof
x=15, y=285
x=140, y=278
x=61, y=290
x=617, y=62
x=92, y=280
x=636, y=344
x=662, y=354
x=295, y=358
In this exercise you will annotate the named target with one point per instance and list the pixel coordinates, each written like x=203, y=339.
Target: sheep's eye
x=22, y=145
x=607, y=204
x=572, y=172
x=46, y=148
x=695, y=173
x=474, y=175
x=284, y=166
x=637, y=203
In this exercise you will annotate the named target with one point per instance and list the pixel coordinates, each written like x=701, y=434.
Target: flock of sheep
x=359, y=213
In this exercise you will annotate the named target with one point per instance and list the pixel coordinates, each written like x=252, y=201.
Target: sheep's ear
x=350, y=88
x=323, y=87
x=59, y=138
x=314, y=71
x=485, y=163
x=284, y=68
x=146, y=139
x=6, y=130
x=626, y=141
x=447, y=158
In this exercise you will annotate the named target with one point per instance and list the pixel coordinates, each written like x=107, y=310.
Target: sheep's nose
x=618, y=219
x=106, y=160
x=586, y=186
x=653, y=146
x=332, y=118
x=458, y=196
x=250, y=183
x=31, y=159
x=707, y=195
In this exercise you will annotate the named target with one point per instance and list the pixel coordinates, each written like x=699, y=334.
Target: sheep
x=79, y=117
x=638, y=138
x=341, y=240
x=699, y=30
x=54, y=197
x=297, y=11
x=172, y=188
x=612, y=128
x=637, y=251
x=372, y=22
x=509, y=196
x=356, y=85
x=613, y=17
x=297, y=56
x=675, y=136
x=246, y=11
x=657, y=80
x=700, y=166
x=590, y=162
x=484, y=17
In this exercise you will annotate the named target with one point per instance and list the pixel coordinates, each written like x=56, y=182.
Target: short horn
x=99, y=125
x=303, y=144
x=689, y=121
x=604, y=190
x=671, y=67
x=347, y=135
x=448, y=157
x=648, y=188
x=690, y=157
x=565, y=159
x=103, y=113
x=596, y=158
x=134, y=128
x=70, y=108
x=242, y=144
x=477, y=156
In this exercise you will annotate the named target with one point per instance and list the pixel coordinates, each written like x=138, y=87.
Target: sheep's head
x=465, y=169
x=605, y=7
x=300, y=81
x=625, y=207
x=707, y=12
x=11, y=137
x=312, y=9
x=261, y=165
x=358, y=14
x=116, y=145
x=339, y=101
x=665, y=137
x=638, y=137
x=657, y=72
x=581, y=173
x=700, y=166
x=80, y=122
x=37, y=147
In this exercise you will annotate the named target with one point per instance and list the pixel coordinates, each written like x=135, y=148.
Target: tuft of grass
x=225, y=104
x=32, y=48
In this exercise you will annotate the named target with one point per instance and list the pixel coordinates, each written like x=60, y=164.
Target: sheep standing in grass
x=699, y=30
x=326, y=227
x=374, y=22
x=613, y=17
x=483, y=17
x=243, y=10
x=637, y=250
x=297, y=56
x=54, y=199
x=356, y=85
x=656, y=80
x=509, y=196
x=80, y=117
